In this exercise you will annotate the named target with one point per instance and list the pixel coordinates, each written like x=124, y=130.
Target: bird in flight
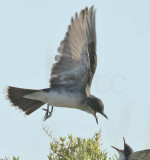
x=71, y=75
x=129, y=154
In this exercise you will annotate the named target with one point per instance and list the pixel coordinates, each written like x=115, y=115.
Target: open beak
x=115, y=148
x=105, y=115
x=96, y=118
x=121, y=152
x=124, y=141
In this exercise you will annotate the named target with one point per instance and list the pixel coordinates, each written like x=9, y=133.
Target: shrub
x=77, y=148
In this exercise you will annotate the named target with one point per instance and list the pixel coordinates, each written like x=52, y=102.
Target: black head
x=97, y=106
x=124, y=154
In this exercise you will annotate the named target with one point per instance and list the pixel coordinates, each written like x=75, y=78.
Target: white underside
x=66, y=99
x=54, y=98
x=121, y=156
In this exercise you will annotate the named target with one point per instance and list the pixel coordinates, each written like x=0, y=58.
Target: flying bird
x=129, y=154
x=71, y=75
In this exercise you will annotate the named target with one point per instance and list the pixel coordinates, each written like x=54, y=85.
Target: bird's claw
x=48, y=113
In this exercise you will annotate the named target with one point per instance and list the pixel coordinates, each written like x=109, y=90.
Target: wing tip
x=82, y=13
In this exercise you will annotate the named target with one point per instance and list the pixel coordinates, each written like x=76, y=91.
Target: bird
x=129, y=154
x=71, y=74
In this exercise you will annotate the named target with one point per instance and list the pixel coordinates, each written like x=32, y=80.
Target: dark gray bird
x=71, y=75
x=129, y=154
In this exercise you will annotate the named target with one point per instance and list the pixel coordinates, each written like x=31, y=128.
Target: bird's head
x=124, y=154
x=96, y=106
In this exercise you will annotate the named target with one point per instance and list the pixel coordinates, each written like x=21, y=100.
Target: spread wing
x=76, y=64
x=141, y=155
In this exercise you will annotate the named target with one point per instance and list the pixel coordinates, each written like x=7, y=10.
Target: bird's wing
x=141, y=155
x=77, y=61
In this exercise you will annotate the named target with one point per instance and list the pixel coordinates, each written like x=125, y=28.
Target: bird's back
x=141, y=155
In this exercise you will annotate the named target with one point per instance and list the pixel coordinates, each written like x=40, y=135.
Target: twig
x=50, y=135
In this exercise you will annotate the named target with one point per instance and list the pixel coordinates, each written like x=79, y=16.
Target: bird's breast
x=62, y=98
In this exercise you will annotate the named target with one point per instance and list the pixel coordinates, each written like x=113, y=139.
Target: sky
x=30, y=33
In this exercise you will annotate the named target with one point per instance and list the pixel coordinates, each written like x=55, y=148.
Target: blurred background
x=30, y=33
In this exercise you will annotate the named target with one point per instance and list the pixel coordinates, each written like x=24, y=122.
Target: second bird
x=129, y=154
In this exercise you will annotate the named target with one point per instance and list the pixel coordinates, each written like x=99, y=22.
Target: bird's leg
x=48, y=113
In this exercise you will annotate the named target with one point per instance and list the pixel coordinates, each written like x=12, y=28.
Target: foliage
x=6, y=158
x=77, y=148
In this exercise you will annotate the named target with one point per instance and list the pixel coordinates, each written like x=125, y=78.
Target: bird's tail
x=25, y=99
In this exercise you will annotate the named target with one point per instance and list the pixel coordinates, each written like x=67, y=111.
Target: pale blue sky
x=30, y=32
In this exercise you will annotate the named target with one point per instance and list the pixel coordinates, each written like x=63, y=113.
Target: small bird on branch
x=71, y=75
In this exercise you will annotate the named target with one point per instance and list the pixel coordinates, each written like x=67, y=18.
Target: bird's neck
x=89, y=103
x=122, y=156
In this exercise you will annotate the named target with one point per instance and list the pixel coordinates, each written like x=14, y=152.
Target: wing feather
x=77, y=61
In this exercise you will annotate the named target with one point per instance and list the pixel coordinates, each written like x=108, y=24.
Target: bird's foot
x=48, y=113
